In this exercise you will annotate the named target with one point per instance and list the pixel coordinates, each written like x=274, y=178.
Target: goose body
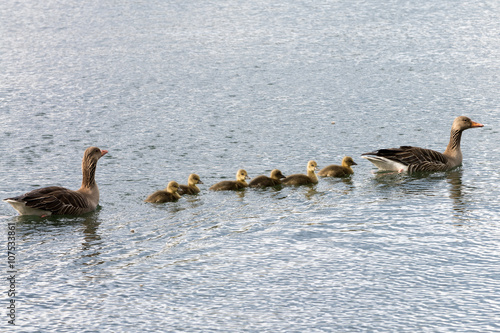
x=232, y=185
x=338, y=170
x=301, y=179
x=169, y=194
x=191, y=187
x=56, y=200
x=414, y=159
x=264, y=181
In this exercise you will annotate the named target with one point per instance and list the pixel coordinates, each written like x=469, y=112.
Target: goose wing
x=55, y=199
x=415, y=158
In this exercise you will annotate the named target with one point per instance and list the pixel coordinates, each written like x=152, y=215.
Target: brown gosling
x=232, y=185
x=191, y=187
x=264, y=181
x=301, y=179
x=343, y=170
x=169, y=194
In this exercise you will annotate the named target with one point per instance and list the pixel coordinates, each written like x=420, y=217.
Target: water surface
x=175, y=87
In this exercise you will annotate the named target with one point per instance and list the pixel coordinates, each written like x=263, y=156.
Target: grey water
x=176, y=87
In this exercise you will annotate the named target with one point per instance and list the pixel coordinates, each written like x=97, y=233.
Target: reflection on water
x=310, y=192
x=460, y=205
x=334, y=183
x=31, y=228
x=91, y=225
x=428, y=184
x=91, y=244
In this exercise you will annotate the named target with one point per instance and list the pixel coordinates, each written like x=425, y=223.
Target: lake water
x=175, y=87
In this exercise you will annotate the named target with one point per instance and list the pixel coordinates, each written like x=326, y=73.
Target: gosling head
x=348, y=161
x=194, y=179
x=276, y=174
x=172, y=187
x=241, y=175
x=312, y=166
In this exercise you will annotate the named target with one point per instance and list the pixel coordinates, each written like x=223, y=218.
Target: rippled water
x=174, y=87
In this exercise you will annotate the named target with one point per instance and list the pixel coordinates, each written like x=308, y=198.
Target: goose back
x=53, y=200
x=410, y=159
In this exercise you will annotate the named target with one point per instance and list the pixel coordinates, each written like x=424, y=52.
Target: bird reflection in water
x=460, y=205
x=90, y=236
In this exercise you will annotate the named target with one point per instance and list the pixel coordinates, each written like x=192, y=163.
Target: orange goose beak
x=474, y=124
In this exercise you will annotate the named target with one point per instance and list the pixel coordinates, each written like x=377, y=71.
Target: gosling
x=264, y=181
x=169, y=194
x=301, y=179
x=232, y=185
x=343, y=170
x=191, y=187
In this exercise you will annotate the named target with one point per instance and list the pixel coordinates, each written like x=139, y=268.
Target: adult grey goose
x=56, y=200
x=414, y=159
x=265, y=181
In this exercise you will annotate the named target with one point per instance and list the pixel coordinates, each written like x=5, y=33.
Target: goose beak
x=474, y=124
x=103, y=152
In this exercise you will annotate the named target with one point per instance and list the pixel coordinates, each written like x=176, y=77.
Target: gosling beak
x=354, y=163
x=200, y=182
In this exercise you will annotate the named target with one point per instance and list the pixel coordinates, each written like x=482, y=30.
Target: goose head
x=92, y=155
x=462, y=123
